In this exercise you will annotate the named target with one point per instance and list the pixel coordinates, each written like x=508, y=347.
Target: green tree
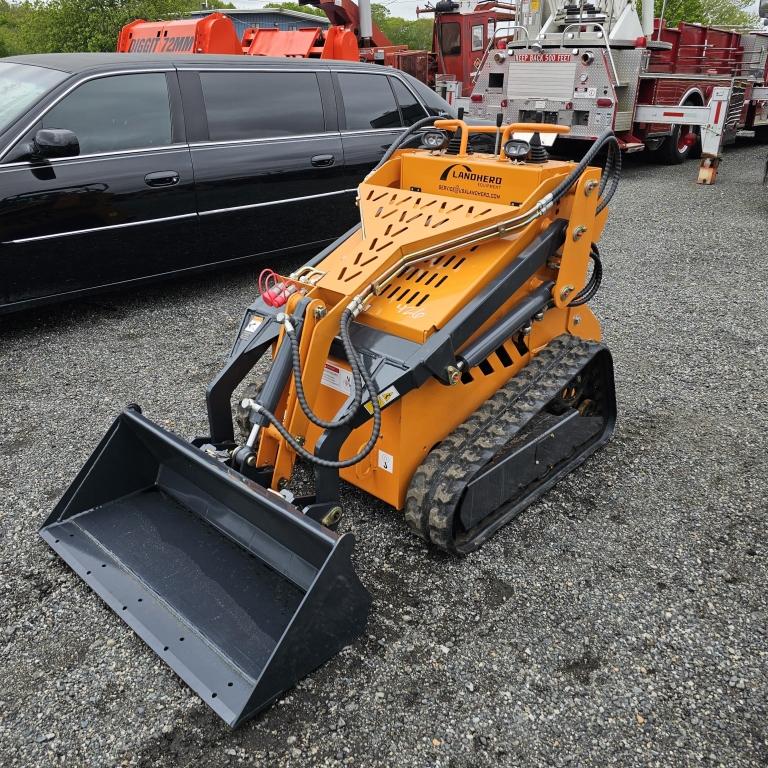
x=92, y=25
x=416, y=34
x=3, y=28
x=310, y=9
x=10, y=36
x=728, y=13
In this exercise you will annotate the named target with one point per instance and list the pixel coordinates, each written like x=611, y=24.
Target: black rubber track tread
x=416, y=504
x=437, y=485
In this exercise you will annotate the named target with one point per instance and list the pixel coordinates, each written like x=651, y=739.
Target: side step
x=235, y=589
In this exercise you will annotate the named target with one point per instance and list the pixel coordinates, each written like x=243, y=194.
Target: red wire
x=269, y=280
x=262, y=275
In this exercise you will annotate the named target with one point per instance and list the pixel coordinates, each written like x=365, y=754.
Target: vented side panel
x=526, y=80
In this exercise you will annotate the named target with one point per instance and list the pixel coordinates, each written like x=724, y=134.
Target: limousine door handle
x=322, y=161
x=162, y=179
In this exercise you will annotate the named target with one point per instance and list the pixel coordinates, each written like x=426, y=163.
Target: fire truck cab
x=460, y=36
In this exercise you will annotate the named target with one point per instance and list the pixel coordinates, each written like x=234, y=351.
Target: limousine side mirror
x=55, y=142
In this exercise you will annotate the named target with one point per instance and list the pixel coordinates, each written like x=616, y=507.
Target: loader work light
x=434, y=140
x=516, y=149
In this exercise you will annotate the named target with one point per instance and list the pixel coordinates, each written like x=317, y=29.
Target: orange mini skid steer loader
x=440, y=356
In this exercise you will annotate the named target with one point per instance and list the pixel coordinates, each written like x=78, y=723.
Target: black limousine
x=118, y=168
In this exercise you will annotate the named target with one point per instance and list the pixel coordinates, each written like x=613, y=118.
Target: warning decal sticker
x=338, y=378
x=386, y=461
x=385, y=397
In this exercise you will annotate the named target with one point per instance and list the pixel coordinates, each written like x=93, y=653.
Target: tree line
x=51, y=26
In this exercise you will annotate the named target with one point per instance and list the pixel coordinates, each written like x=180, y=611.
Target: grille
x=405, y=212
x=413, y=285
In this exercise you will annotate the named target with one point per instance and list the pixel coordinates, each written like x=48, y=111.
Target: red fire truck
x=679, y=91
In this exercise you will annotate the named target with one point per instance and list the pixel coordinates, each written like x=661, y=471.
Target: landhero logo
x=465, y=173
x=484, y=185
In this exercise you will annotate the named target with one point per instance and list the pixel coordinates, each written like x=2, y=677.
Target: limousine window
x=116, y=113
x=21, y=85
x=368, y=102
x=409, y=105
x=256, y=105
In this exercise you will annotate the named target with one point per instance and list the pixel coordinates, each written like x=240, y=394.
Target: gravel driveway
x=620, y=621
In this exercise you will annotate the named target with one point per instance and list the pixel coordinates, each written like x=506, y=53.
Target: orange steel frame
x=401, y=218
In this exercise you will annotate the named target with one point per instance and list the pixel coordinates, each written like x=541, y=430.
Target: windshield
x=21, y=85
x=450, y=38
x=435, y=104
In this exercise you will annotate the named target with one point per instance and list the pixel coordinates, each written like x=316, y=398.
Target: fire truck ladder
x=715, y=120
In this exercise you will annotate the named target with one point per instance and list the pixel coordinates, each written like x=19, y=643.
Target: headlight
x=434, y=140
x=515, y=149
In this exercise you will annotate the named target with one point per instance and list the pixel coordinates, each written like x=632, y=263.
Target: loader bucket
x=235, y=589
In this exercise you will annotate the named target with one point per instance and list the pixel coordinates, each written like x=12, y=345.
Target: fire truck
x=679, y=91
x=462, y=33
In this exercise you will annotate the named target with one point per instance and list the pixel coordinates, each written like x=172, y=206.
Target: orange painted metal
x=413, y=205
x=278, y=42
x=213, y=34
x=580, y=211
x=311, y=42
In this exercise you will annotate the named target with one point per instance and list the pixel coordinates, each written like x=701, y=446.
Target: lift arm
x=346, y=13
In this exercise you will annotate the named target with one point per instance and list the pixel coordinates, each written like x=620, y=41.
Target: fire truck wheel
x=674, y=150
x=694, y=152
x=652, y=145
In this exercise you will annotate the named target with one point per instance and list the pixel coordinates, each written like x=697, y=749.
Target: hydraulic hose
x=397, y=143
x=610, y=178
x=590, y=289
x=609, y=181
x=346, y=319
x=359, y=372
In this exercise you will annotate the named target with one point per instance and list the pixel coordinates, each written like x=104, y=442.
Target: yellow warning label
x=534, y=5
x=387, y=396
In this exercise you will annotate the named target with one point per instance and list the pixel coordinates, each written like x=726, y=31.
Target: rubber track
x=438, y=484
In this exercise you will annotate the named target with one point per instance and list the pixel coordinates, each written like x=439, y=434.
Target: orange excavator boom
x=213, y=34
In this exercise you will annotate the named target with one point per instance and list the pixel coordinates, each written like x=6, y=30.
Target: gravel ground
x=620, y=621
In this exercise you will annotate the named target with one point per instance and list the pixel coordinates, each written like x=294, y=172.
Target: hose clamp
x=544, y=204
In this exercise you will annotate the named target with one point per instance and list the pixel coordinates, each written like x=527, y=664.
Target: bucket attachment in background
x=233, y=587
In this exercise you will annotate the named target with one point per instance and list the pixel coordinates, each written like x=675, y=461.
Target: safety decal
x=386, y=461
x=338, y=378
x=385, y=397
x=585, y=93
x=543, y=58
